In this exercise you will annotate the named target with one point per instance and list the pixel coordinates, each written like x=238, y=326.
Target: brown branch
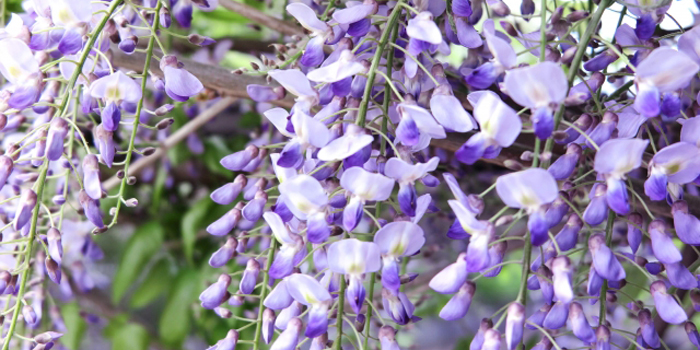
x=227, y=83
x=216, y=78
x=257, y=16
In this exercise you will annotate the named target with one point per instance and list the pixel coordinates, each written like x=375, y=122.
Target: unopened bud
x=165, y=123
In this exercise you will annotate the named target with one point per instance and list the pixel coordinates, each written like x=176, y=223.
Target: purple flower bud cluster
x=68, y=115
x=333, y=207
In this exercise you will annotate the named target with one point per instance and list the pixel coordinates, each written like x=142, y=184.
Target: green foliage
x=176, y=320
x=156, y=282
x=216, y=148
x=192, y=222
x=130, y=336
x=145, y=242
x=75, y=325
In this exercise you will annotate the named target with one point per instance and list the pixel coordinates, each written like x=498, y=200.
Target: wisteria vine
x=587, y=141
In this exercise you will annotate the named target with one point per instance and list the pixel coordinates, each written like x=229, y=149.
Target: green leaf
x=192, y=222
x=131, y=336
x=176, y=321
x=214, y=149
x=155, y=283
x=142, y=245
x=75, y=325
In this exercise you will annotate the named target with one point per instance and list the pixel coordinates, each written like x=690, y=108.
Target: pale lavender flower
x=395, y=240
x=458, y=306
x=307, y=199
x=541, y=88
x=451, y=278
x=678, y=163
x=114, y=89
x=664, y=70
x=666, y=305
x=406, y=175
x=362, y=186
x=531, y=190
x=180, y=84
x=615, y=159
x=310, y=292
x=285, y=259
x=354, y=258
x=499, y=125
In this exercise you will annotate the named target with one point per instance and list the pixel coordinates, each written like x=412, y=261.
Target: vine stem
x=137, y=115
x=263, y=293
x=367, y=96
x=382, y=150
x=576, y=63
x=27, y=255
x=604, y=287
x=339, y=323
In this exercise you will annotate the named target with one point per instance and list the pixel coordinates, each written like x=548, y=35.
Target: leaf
x=176, y=321
x=75, y=325
x=142, y=245
x=214, y=149
x=192, y=222
x=131, y=336
x=155, y=283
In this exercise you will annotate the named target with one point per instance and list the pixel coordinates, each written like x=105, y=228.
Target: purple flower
x=481, y=234
x=310, y=292
x=514, y=325
x=217, y=293
x=289, y=339
x=579, y=324
x=604, y=260
x=284, y=261
x=353, y=140
x=664, y=70
x=354, y=258
x=395, y=240
x=406, y=175
x=345, y=67
x=615, y=159
x=362, y=186
x=666, y=304
x=662, y=244
x=397, y=305
x=458, y=305
x=451, y=278
x=114, y=89
x=307, y=199
x=531, y=190
x=387, y=338
x=499, y=125
x=541, y=88
x=422, y=27
x=561, y=278
x=678, y=163
x=180, y=84
x=448, y=110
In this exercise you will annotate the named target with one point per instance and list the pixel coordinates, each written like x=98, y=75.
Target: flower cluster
x=66, y=115
x=333, y=202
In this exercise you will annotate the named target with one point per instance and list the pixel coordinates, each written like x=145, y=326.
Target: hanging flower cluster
x=66, y=115
x=332, y=204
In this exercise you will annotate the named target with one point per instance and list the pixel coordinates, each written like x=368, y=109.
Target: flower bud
x=24, y=209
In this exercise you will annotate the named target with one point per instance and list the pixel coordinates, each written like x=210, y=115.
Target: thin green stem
x=576, y=63
x=28, y=254
x=604, y=288
x=137, y=115
x=263, y=294
x=339, y=323
x=383, y=40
